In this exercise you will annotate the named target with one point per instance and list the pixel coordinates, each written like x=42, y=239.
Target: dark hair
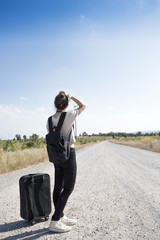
x=61, y=101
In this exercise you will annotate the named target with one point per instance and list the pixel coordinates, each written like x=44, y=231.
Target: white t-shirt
x=67, y=125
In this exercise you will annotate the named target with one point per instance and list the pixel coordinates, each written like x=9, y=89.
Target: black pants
x=65, y=176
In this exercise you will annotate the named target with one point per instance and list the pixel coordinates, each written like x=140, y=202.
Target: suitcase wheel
x=32, y=222
x=46, y=218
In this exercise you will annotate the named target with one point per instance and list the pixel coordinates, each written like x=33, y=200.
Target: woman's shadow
x=28, y=235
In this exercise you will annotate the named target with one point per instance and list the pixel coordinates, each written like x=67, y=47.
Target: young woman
x=65, y=174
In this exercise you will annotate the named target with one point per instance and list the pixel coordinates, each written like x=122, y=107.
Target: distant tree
x=139, y=134
x=84, y=134
x=125, y=135
x=24, y=137
x=159, y=133
x=147, y=134
x=112, y=134
x=34, y=136
x=131, y=135
x=18, y=137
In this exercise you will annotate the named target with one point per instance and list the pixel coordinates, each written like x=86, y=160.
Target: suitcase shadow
x=7, y=227
x=29, y=235
x=13, y=226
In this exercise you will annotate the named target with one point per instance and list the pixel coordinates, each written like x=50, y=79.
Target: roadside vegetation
x=22, y=152
x=147, y=141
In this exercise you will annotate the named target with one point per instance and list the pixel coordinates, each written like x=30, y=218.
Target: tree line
x=34, y=141
x=20, y=143
x=122, y=134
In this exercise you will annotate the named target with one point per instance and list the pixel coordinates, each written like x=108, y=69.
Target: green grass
x=139, y=138
x=132, y=139
x=92, y=139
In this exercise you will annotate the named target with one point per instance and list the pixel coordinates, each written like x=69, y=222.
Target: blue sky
x=106, y=53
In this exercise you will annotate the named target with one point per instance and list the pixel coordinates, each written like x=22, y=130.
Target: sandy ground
x=117, y=196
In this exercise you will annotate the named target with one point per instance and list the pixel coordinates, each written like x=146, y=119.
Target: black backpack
x=58, y=149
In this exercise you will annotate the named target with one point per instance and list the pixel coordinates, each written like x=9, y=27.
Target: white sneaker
x=58, y=226
x=68, y=221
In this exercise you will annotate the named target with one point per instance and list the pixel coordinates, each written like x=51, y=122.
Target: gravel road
x=117, y=196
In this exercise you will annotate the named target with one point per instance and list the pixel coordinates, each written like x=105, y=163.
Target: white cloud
x=14, y=120
x=118, y=121
x=40, y=109
x=82, y=18
x=9, y=111
x=109, y=108
x=23, y=98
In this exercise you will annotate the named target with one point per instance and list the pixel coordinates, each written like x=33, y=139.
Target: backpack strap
x=50, y=124
x=60, y=122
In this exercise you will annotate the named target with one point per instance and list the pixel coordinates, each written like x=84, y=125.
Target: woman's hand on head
x=65, y=93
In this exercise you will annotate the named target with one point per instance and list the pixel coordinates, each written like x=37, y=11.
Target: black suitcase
x=35, y=197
